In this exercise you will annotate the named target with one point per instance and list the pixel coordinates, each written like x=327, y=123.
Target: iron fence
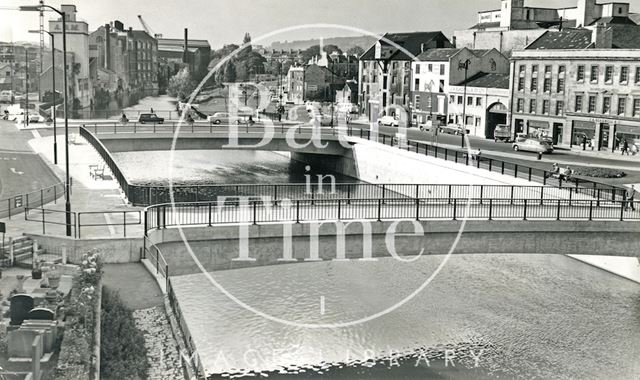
x=92, y=222
x=16, y=204
x=306, y=210
x=49, y=218
x=109, y=219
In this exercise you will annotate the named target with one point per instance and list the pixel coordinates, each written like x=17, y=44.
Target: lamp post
x=67, y=198
x=53, y=89
x=464, y=66
x=26, y=86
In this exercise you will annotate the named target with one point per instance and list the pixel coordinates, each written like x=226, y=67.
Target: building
x=81, y=89
x=384, y=70
x=320, y=84
x=347, y=94
x=515, y=25
x=487, y=103
x=435, y=70
x=295, y=85
x=173, y=53
x=578, y=82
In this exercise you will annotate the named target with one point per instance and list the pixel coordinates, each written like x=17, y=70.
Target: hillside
x=343, y=42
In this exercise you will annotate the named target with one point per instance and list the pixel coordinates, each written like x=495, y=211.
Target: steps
x=22, y=249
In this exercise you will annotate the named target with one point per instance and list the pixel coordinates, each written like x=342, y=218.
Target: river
x=523, y=316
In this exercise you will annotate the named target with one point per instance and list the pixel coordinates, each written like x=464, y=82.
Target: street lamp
x=67, y=199
x=53, y=88
x=464, y=66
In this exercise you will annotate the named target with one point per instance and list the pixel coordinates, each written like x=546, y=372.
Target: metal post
x=297, y=211
x=53, y=74
x=590, y=210
x=558, y=213
x=67, y=204
x=124, y=226
x=524, y=216
x=455, y=208
x=490, y=208
x=379, y=210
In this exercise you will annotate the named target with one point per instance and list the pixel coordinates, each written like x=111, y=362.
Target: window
x=638, y=74
x=608, y=74
x=624, y=75
x=452, y=99
x=469, y=100
x=416, y=101
x=417, y=68
x=580, y=74
x=578, y=107
x=559, y=108
x=477, y=124
x=459, y=99
x=534, y=84
x=442, y=69
x=469, y=120
x=416, y=84
x=545, y=107
x=394, y=79
x=479, y=101
x=560, y=85
x=561, y=70
x=534, y=70
x=636, y=107
x=522, y=69
x=520, y=107
x=521, y=84
x=430, y=68
x=547, y=85
x=622, y=105
x=547, y=69
x=532, y=106
x=606, y=105
x=594, y=74
x=592, y=104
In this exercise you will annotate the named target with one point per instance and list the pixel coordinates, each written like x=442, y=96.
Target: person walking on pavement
x=584, y=142
x=630, y=195
x=625, y=147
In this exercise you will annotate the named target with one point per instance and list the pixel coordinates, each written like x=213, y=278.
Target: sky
x=225, y=21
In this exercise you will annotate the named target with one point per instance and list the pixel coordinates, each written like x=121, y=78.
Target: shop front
x=538, y=128
x=607, y=134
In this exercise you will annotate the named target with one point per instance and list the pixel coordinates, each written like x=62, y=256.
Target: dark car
x=150, y=118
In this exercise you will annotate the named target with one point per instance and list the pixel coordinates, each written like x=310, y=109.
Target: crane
x=147, y=28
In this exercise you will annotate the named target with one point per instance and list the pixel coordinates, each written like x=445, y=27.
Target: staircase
x=19, y=252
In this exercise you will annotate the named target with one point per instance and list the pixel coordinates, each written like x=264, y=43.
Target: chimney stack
x=186, y=45
x=602, y=37
x=107, y=46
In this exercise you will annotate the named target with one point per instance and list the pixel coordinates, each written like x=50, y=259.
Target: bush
x=122, y=352
x=597, y=172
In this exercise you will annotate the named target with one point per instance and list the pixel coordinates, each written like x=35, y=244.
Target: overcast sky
x=226, y=21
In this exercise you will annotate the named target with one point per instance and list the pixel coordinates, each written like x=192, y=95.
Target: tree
x=181, y=85
x=356, y=50
x=229, y=73
x=331, y=48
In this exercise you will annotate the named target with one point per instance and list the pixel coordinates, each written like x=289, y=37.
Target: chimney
x=107, y=46
x=602, y=37
x=454, y=41
x=186, y=45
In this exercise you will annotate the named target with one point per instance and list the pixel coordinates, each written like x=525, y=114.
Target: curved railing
x=16, y=204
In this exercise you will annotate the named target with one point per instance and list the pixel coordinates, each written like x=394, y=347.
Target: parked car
x=502, y=132
x=150, y=118
x=219, y=117
x=532, y=145
x=36, y=118
x=390, y=121
x=7, y=96
x=452, y=129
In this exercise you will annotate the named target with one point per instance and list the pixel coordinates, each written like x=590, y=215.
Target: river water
x=521, y=316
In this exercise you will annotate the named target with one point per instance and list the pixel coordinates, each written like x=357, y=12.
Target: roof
x=353, y=86
x=488, y=80
x=486, y=25
x=410, y=41
x=614, y=20
x=626, y=36
x=434, y=55
x=180, y=42
x=565, y=39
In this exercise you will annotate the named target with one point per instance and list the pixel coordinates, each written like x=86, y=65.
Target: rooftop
x=410, y=41
x=488, y=80
x=180, y=42
x=565, y=39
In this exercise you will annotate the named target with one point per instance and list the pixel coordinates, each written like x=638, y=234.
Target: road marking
x=35, y=133
x=321, y=305
x=14, y=171
x=112, y=230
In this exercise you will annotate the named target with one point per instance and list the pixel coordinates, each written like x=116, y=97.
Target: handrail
x=306, y=210
x=16, y=203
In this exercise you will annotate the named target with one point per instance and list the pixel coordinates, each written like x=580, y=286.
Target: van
x=7, y=96
x=502, y=132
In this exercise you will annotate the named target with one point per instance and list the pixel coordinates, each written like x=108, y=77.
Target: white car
x=218, y=118
x=390, y=121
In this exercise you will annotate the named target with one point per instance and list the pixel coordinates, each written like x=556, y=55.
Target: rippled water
x=525, y=316
x=215, y=167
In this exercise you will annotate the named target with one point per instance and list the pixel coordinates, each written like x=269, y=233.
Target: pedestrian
x=592, y=143
x=555, y=170
x=566, y=174
x=584, y=142
x=625, y=147
x=152, y=110
x=630, y=195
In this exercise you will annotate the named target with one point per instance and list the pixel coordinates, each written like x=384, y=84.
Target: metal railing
x=49, y=218
x=16, y=204
x=152, y=253
x=144, y=195
x=597, y=189
x=306, y=210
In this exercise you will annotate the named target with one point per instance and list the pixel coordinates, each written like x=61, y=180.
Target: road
x=21, y=170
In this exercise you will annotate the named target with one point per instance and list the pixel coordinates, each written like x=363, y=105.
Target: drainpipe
x=510, y=110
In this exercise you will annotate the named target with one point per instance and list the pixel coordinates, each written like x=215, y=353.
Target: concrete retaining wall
x=217, y=247
x=114, y=251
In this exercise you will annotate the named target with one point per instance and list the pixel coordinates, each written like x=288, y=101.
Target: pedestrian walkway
x=617, y=155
